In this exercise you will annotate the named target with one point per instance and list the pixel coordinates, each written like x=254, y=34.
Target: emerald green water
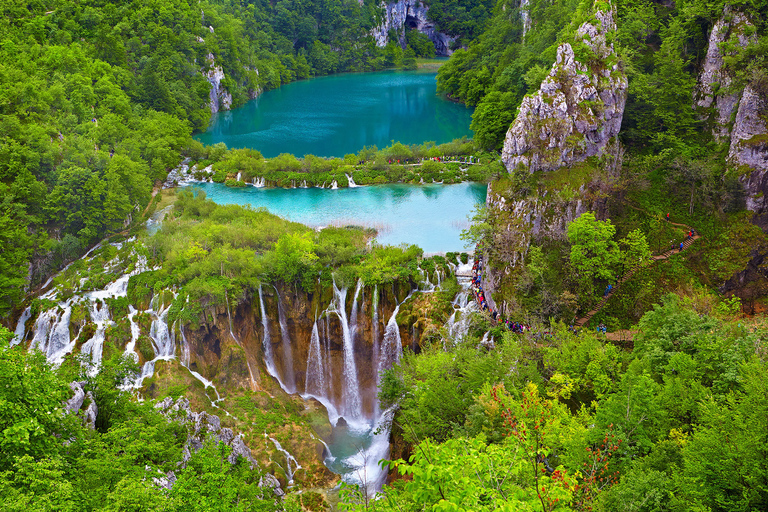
x=430, y=216
x=339, y=114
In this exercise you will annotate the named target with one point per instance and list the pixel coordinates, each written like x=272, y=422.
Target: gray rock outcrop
x=202, y=426
x=410, y=14
x=79, y=398
x=738, y=114
x=749, y=148
x=714, y=90
x=578, y=108
x=220, y=98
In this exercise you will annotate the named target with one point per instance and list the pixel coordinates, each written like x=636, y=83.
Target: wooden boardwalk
x=627, y=275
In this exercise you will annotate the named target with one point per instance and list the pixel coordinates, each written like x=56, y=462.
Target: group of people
x=691, y=233
x=477, y=284
x=479, y=293
x=602, y=329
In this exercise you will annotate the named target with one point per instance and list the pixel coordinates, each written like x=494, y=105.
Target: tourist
x=667, y=217
x=681, y=246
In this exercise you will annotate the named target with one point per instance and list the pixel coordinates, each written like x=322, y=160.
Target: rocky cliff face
x=714, y=94
x=740, y=115
x=578, y=108
x=749, y=148
x=410, y=14
x=220, y=98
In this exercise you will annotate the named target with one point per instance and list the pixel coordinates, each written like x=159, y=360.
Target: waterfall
x=391, y=345
x=239, y=174
x=259, y=182
x=315, y=378
x=290, y=379
x=291, y=464
x=334, y=185
x=130, y=348
x=352, y=183
x=375, y=334
x=185, y=356
x=352, y=403
x=269, y=359
x=95, y=345
x=52, y=333
x=21, y=328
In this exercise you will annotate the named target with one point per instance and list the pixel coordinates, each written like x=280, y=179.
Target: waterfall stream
x=288, y=378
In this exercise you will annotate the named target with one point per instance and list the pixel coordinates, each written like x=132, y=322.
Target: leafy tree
x=593, y=252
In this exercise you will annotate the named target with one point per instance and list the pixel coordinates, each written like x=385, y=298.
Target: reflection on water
x=430, y=216
x=339, y=114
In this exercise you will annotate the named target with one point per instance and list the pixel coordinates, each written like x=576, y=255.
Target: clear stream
x=339, y=114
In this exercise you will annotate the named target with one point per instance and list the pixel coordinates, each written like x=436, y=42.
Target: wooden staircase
x=687, y=243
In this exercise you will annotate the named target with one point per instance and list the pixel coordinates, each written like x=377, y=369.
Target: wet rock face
x=578, y=108
x=220, y=98
x=410, y=14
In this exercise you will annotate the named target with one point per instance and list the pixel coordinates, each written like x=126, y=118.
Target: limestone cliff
x=737, y=113
x=410, y=14
x=220, y=98
x=714, y=93
x=578, y=108
x=749, y=148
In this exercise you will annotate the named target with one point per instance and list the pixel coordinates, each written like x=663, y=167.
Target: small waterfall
x=334, y=185
x=291, y=464
x=304, y=184
x=391, y=345
x=21, y=328
x=130, y=348
x=259, y=182
x=269, y=359
x=375, y=334
x=239, y=175
x=315, y=378
x=352, y=183
x=290, y=379
x=52, y=333
x=352, y=403
x=185, y=356
x=95, y=345
x=163, y=341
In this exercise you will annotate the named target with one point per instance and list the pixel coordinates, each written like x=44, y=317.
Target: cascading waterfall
x=52, y=333
x=269, y=359
x=239, y=174
x=20, y=334
x=259, y=182
x=315, y=378
x=291, y=464
x=375, y=334
x=95, y=345
x=391, y=345
x=352, y=183
x=289, y=378
x=185, y=357
x=352, y=402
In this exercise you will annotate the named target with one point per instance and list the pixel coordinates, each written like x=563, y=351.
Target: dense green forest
x=667, y=411
x=661, y=47
x=99, y=101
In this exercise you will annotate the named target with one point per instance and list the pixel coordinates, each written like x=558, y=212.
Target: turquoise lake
x=339, y=114
x=430, y=216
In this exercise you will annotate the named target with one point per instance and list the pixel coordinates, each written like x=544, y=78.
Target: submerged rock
x=579, y=106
